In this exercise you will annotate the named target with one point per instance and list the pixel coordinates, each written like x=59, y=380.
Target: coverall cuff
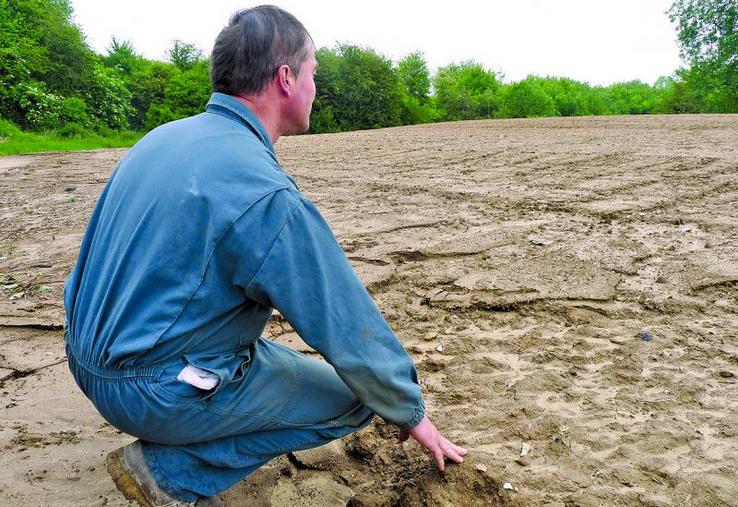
x=417, y=417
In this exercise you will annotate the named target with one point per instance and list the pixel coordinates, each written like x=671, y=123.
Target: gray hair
x=254, y=44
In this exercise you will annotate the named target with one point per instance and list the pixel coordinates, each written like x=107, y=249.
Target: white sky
x=597, y=41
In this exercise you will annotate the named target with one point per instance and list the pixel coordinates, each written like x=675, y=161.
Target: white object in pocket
x=202, y=379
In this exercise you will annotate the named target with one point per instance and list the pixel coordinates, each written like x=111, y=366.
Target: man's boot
x=128, y=469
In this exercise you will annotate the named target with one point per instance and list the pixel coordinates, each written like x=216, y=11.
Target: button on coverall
x=198, y=235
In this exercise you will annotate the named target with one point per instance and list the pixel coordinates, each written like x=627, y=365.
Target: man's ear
x=285, y=82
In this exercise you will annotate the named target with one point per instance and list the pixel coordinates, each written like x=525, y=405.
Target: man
x=198, y=235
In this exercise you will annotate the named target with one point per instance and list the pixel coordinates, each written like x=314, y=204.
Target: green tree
x=185, y=94
x=147, y=84
x=356, y=89
x=146, y=81
x=414, y=76
x=51, y=46
x=43, y=57
x=184, y=55
x=122, y=55
x=466, y=91
x=415, y=82
x=708, y=35
x=675, y=94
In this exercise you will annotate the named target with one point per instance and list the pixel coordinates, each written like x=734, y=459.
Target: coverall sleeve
x=307, y=277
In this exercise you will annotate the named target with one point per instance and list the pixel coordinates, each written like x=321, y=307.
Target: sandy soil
x=564, y=285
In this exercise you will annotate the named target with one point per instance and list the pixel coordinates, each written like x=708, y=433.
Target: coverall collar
x=225, y=105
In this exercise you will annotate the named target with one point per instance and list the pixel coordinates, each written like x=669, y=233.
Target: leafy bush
x=38, y=107
x=74, y=110
x=72, y=130
x=527, y=99
x=159, y=115
x=414, y=112
x=109, y=98
x=633, y=97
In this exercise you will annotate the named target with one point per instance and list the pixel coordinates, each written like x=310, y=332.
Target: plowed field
x=568, y=286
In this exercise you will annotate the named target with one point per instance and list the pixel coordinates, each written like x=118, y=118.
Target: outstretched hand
x=430, y=438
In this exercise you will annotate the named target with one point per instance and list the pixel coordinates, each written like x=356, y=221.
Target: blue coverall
x=197, y=236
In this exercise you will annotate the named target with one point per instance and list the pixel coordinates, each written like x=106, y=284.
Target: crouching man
x=198, y=235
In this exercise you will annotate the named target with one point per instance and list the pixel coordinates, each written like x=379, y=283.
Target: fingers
x=459, y=450
x=450, y=451
x=453, y=456
x=445, y=449
x=430, y=438
x=438, y=454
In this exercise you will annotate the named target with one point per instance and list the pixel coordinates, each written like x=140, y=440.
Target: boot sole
x=123, y=480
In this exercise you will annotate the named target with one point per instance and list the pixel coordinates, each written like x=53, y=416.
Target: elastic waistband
x=119, y=373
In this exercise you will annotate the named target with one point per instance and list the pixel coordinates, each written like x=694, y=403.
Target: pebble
x=524, y=449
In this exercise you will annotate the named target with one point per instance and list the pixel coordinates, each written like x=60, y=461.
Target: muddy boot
x=132, y=477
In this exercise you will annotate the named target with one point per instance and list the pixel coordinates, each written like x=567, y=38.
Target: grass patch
x=17, y=142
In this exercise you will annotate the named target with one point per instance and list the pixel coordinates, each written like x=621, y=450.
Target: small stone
x=524, y=449
x=482, y=468
x=508, y=486
x=539, y=241
x=726, y=374
x=439, y=348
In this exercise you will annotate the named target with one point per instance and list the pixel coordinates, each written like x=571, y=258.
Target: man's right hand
x=430, y=438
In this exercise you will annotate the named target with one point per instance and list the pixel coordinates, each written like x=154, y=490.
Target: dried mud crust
x=521, y=263
x=369, y=469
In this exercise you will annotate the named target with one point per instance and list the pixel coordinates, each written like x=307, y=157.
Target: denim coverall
x=197, y=236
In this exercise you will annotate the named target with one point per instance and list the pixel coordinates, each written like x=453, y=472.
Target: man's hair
x=254, y=44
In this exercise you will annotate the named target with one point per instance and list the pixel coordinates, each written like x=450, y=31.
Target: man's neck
x=266, y=114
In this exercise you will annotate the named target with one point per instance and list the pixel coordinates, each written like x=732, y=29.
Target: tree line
x=51, y=80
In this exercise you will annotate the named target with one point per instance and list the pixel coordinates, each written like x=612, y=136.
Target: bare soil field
x=568, y=289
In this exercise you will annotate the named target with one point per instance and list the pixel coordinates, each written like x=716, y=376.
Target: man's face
x=301, y=102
